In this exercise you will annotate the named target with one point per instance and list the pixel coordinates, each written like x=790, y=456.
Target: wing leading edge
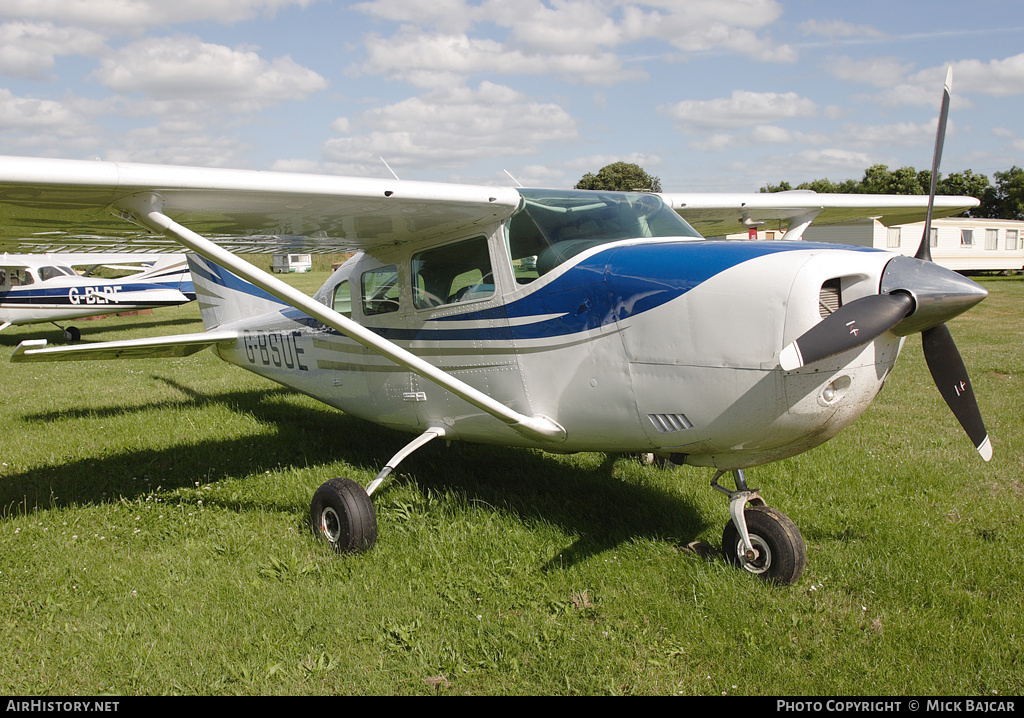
x=57, y=205
x=717, y=214
x=60, y=205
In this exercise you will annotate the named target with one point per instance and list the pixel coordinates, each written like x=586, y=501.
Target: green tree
x=1005, y=200
x=966, y=184
x=620, y=177
x=879, y=179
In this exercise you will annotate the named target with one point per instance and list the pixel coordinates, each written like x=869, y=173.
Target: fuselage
x=52, y=291
x=666, y=343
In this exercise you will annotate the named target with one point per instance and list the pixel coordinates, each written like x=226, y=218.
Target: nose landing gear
x=760, y=539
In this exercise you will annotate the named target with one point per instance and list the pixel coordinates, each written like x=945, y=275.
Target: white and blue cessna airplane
x=561, y=320
x=38, y=288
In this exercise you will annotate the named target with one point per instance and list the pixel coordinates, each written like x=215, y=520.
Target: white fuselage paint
x=696, y=376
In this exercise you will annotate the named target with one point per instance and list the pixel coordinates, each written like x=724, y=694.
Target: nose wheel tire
x=779, y=551
x=342, y=515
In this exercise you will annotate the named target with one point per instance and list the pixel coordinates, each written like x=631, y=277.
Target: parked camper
x=285, y=263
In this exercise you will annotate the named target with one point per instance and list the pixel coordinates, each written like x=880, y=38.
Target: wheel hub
x=761, y=560
x=330, y=525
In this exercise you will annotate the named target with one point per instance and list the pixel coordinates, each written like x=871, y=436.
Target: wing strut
x=146, y=210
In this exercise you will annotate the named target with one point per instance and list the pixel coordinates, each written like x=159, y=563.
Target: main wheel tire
x=342, y=515
x=781, y=552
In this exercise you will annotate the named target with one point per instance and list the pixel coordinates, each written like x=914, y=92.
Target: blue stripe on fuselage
x=72, y=296
x=640, y=278
x=216, y=274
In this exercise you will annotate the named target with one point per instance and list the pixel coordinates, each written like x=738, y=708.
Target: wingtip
x=25, y=346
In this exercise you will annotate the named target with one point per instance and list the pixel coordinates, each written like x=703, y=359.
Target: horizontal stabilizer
x=180, y=345
x=147, y=296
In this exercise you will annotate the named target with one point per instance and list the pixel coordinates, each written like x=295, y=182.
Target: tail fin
x=169, y=270
x=225, y=298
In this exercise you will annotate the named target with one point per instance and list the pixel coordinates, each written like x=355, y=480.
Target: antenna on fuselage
x=513, y=178
x=390, y=170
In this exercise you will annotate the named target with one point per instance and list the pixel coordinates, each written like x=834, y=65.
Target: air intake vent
x=829, y=298
x=667, y=423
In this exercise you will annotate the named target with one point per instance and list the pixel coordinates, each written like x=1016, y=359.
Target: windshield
x=554, y=225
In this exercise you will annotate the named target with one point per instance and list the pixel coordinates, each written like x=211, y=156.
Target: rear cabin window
x=342, y=300
x=452, y=274
x=10, y=277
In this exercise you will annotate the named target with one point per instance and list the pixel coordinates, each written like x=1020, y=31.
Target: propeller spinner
x=915, y=295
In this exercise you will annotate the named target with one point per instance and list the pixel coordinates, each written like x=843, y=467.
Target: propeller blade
x=852, y=325
x=924, y=250
x=951, y=378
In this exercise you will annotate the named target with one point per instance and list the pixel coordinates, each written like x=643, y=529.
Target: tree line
x=1002, y=198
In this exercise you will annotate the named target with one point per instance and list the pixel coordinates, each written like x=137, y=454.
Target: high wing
x=717, y=214
x=51, y=205
x=216, y=212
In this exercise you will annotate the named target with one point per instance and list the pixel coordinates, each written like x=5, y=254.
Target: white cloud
x=741, y=109
x=592, y=163
x=438, y=60
x=901, y=134
x=29, y=49
x=579, y=40
x=176, y=143
x=31, y=125
x=142, y=13
x=818, y=163
x=31, y=114
x=875, y=71
x=841, y=30
x=997, y=78
x=190, y=70
x=452, y=128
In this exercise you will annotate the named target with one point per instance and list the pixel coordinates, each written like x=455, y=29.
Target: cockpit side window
x=380, y=290
x=451, y=274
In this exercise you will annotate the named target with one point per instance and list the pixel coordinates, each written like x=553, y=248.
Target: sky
x=707, y=95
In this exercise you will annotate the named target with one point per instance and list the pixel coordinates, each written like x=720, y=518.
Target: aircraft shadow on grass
x=526, y=484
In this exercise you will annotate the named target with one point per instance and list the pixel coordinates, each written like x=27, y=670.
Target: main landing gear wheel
x=342, y=515
x=779, y=551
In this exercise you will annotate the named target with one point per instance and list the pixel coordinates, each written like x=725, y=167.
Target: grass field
x=153, y=540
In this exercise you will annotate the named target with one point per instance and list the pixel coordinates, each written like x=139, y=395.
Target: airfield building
x=958, y=243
